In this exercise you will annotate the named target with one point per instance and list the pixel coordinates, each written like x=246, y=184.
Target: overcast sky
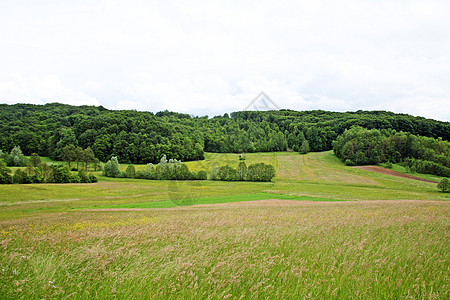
x=211, y=57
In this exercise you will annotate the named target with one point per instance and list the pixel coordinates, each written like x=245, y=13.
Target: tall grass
x=362, y=250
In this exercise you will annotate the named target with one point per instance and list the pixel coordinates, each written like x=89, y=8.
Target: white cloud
x=41, y=90
x=211, y=57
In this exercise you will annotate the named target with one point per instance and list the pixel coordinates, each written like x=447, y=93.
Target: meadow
x=319, y=230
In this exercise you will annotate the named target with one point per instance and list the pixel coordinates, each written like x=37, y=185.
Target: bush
x=304, y=148
x=201, y=175
x=21, y=177
x=130, y=172
x=260, y=172
x=444, y=185
x=83, y=177
x=4, y=173
x=255, y=172
x=227, y=173
x=111, y=168
x=61, y=174
x=16, y=158
x=171, y=169
x=214, y=172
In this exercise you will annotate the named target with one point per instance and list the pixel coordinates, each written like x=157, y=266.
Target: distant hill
x=142, y=137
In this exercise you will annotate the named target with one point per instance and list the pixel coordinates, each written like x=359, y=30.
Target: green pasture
x=130, y=238
x=316, y=175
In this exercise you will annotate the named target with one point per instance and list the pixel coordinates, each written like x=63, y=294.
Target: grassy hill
x=315, y=175
x=95, y=240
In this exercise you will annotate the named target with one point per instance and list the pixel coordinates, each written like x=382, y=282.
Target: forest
x=361, y=146
x=145, y=137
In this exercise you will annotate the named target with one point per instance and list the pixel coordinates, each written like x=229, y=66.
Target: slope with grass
x=295, y=237
x=357, y=250
x=316, y=175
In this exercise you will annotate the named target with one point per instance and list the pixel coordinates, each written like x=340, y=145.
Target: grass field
x=337, y=232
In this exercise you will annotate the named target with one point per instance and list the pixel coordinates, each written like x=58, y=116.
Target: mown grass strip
x=215, y=200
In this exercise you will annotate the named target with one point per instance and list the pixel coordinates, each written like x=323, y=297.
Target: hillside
x=142, y=137
x=320, y=227
x=314, y=176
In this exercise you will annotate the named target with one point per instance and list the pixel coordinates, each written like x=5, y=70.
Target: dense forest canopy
x=144, y=137
x=361, y=146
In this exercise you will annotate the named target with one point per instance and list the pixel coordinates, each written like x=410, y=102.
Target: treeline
x=144, y=137
x=254, y=172
x=37, y=171
x=173, y=169
x=361, y=146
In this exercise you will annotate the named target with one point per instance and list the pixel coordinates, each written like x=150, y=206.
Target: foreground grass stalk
x=359, y=250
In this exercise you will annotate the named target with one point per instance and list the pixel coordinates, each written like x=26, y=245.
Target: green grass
x=317, y=175
x=357, y=250
x=183, y=200
x=317, y=247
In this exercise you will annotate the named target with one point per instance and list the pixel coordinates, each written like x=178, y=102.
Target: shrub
x=304, y=148
x=260, y=172
x=130, y=172
x=16, y=158
x=201, y=175
x=111, y=168
x=227, y=173
x=21, y=177
x=61, y=174
x=4, y=173
x=214, y=172
x=444, y=185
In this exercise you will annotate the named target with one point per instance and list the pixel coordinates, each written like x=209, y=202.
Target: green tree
x=35, y=160
x=88, y=157
x=79, y=156
x=201, y=175
x=65, y=136
x=68, y=154
x=111, y=168
x=4, y=173
x=130, y=172
x=241, y=171
x=304, y=148
x=16, y=158
x=215, y=172
x=61, y=174
x=227, y=173
x=260, y=172
x=97, y=164
x=21, y=177
x=444, y=185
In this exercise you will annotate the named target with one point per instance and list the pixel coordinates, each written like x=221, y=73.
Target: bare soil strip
x=385, y=171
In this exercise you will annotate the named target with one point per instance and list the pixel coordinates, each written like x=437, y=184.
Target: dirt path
x=385, y=171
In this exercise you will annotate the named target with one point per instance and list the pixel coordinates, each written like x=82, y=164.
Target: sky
x=212, y=57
